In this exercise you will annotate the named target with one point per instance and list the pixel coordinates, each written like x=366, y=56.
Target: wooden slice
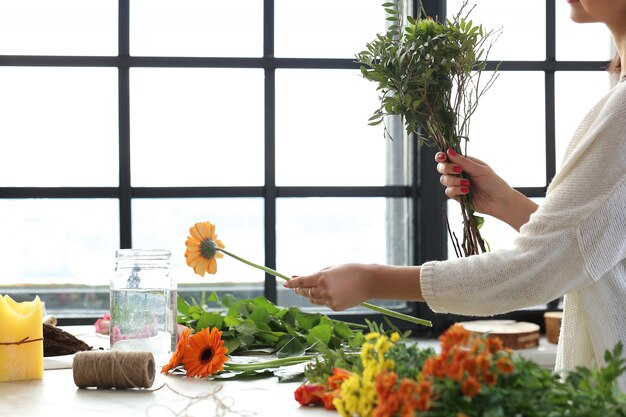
x=553, y=325
x=514, y=334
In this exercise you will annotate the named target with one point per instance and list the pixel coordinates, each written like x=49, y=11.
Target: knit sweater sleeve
x=575, y=236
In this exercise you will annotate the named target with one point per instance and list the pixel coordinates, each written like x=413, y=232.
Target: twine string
x=27, y=339
x=223, y=406
x=113, y=369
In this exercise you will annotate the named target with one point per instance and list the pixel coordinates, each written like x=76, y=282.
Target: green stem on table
x=293, y=360
x=373, y=307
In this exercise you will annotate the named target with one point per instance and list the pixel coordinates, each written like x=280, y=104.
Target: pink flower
x=103, y=324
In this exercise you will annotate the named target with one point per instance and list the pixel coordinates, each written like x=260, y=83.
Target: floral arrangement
x=429, y=74
x=471, y=376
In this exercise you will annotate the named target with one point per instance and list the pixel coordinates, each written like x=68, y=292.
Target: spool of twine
x=120, y=370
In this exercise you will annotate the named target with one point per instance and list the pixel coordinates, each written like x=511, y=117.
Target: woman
x=574, y=244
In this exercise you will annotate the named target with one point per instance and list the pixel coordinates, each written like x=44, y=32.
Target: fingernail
x=457, y=169
x=452, y=152
x=464, y=190
x=441, y=156
x=465, y=182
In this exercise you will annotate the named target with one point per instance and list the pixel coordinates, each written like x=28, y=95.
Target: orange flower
x=329, y=397
x=339, y=375
x=206, y=353
x=202, y=248
x=494, y=344
x=177, y=357
x=505, y=365
x=307, y=394
x=471, y=387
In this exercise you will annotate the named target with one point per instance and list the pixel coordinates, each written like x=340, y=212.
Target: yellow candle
x=21, y=340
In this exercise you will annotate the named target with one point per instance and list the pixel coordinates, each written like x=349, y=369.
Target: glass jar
x=143, y=303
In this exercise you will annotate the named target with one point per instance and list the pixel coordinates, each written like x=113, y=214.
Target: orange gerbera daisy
x=206, y=353
x=202, y=248
x=177, y=357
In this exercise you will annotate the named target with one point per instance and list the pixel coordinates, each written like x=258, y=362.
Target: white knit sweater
x=574, y=244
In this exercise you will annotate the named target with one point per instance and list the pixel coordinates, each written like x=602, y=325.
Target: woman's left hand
x=338, y=287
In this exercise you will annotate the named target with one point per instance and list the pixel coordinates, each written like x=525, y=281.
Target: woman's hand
x=338, y=287
x=344, y=286
x=490, y=194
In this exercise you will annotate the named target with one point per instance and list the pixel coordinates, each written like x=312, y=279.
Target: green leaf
x=342, y=330
x=260, y=316
x=213, y=298
x=322, y=332
x=239, y=308
x=182, y=306
x=230, y=321
x=306, y=320
x=247, y=327
x=231, y=344
x=266, y=304
x=292, y=348
x=210, y=320
x=228, y=300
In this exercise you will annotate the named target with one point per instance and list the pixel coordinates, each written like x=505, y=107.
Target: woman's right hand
x=490, y=194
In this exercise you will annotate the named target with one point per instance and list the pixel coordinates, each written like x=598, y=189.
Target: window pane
x=60, y=27
x=594, y=38
x=326, y=28
x=508, y=128
x=165, y=223
x=523, y=27
x=59, y=127
x=314, y=233
x=196, y=28
x=498, y=234
x=322, y=135
x=51, y=241
x=575, y=94
x=196, y=127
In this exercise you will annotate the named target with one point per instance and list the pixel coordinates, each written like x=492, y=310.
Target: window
x=126, y=122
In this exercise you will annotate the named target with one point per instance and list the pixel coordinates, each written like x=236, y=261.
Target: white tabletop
x=57, y=395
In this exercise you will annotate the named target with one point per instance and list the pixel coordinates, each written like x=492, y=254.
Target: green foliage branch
x=430, y=74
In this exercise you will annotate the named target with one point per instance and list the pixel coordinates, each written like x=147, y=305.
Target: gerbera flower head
x=181, y=346
x=202, y=248
x=205, y=354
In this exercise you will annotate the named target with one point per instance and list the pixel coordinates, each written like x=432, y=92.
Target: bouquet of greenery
x=429, y=73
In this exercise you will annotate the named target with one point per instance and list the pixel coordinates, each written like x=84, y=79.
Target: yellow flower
x=206, y=353
x=202, y=248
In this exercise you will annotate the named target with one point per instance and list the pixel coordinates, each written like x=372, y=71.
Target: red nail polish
x=464, y=190
x=457, y=169
x=441, y=156
x=452, y=152
x=465, y=182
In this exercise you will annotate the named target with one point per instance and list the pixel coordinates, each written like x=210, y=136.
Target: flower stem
x=293, y=360
x=373, y=307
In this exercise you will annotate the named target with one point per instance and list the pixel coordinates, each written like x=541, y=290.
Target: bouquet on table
x=471, y=376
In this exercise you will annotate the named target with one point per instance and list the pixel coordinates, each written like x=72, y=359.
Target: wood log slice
x=514, y=334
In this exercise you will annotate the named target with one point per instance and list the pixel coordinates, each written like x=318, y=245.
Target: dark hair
x=615, y=67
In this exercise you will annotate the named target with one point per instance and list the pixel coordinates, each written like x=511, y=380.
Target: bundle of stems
x=430, y=74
